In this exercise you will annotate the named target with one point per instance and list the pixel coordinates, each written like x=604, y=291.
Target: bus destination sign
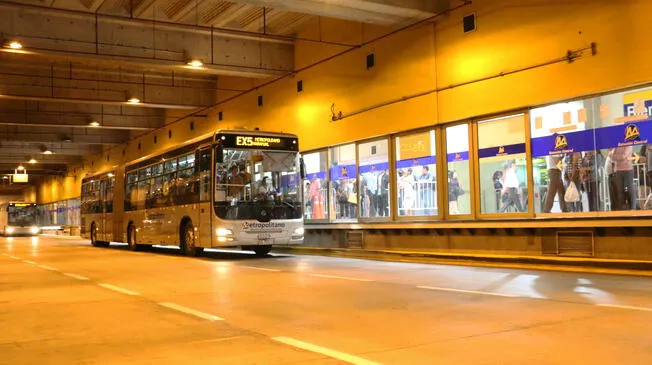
x=259, y=142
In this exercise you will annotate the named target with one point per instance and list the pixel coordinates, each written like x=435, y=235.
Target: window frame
x=332, y=219
x=563, y=215
x=327, y=219
x=473, y=188
x=394, y=178
x=528, y=165
x=392, y=185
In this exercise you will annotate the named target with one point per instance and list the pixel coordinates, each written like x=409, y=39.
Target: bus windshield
x=21, y=215
x=254, y=184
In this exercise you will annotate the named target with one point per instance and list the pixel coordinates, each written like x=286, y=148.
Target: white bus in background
x=19, y=219
x=228, y=189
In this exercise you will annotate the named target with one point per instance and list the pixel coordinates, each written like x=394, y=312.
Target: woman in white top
x=406, y=183
x=510, y=187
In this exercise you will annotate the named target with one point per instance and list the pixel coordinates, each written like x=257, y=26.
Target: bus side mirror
x=219, y=154
x=302, y=168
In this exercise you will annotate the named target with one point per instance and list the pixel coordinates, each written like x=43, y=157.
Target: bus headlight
x=34, y=230
x=223, y=232
x=10, y=230
x=298, y=232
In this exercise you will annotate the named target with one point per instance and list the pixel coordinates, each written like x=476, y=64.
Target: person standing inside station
x=555, y=184
x=626, y=192
x=454, y=192
x=510, y=188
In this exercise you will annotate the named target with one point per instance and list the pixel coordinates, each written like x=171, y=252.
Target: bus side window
x=204, y=173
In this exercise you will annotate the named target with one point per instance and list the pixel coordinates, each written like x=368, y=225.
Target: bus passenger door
x=204, y=166
x=101, y=217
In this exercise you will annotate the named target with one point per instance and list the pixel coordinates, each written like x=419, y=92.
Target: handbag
x=353, y=198
x=572, y=195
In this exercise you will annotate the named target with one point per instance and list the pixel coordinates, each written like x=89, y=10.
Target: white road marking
x=625, y=307
x=118, y=289
x=75, y=276
x=468, y=291
x=351, y=359
x=190, y=311
x=339, y=277
x=259, y=268
x=47, y=267
x=29, y=262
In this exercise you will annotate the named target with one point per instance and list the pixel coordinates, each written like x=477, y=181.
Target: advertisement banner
x=630, y=134
x=562, y=143
x=415, y=162
x=340, y=172
x=458, y=156
x=374, y=167
x=512, y=149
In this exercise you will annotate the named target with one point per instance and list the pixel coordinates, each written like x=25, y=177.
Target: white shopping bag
x=572, y=194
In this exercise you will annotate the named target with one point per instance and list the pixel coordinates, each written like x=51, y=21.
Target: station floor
x=65, y=302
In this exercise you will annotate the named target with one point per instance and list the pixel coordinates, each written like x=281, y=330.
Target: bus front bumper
x=21, y=231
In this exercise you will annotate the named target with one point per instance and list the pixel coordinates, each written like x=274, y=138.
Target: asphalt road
x=65, y=302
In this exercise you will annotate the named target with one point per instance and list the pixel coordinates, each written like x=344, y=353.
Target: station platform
x=556, y=263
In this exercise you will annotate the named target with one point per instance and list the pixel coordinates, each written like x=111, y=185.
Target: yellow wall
x=56, y=188
x=511, y=34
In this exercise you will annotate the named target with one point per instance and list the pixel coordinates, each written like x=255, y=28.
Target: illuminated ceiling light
x=195, y=63
x=5, y=177
x=47, y=152
x=15, y=45
x=21, y=167
x=133, y=101
x=32, y=161
x=95, y=123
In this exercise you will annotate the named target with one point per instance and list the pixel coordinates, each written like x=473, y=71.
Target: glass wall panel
x=315, y=187
x=502, y=165
x=623, y=127
x=373, y=176
x=565, y=166
x=416, y=174
x=343, y=183
x=457, y=162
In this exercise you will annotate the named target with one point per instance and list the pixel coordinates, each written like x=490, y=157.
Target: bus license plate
x=264, y=237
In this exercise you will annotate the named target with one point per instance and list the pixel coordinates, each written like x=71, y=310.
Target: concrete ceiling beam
x=9, y=147
x=15, y=158
x=230, y=15
x=143, y=8
x=365, y=11
x=186, y=11
x=52, y=135
x=46, y=32
x=69, y=83
x=263, y=23
x=114, y=102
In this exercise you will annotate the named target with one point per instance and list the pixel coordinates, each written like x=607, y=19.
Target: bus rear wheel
x=131, y=239
x=262, y=250
x=188, y=241
x=94, y=241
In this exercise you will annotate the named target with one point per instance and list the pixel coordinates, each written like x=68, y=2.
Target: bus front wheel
x=94, y=241
x=188, y=241
x=262, y=250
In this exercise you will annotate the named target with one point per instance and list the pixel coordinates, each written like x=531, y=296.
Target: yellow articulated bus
x=19, y=219
x=229, y=189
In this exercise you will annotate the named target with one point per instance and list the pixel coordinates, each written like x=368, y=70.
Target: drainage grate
x=575, y=243
x=354, y=239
